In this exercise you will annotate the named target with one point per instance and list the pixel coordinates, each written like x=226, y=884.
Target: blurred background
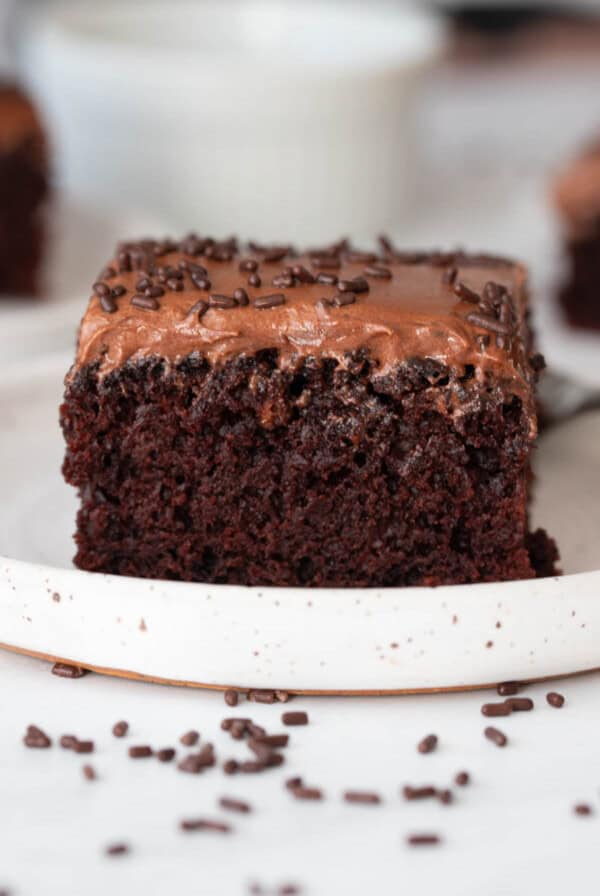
x=442, y=123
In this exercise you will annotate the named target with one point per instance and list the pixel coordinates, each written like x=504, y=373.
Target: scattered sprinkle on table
x=423, y=840
x=363, y=797
x=140, y=752
x=418, y=793
x=307, y=793
x=496, y=709
x=204, y=824
x=582, y=809
x=294, y=718
x=233, y=805
x=36, y=738
x=120, y=729
x=117, y=849
x=496, y=736
x=66, y=670
x=555, y=699
x=428, y=744
x=166, y=754
x=520, y=704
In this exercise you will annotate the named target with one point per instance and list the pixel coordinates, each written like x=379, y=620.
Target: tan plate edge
x=136, y=676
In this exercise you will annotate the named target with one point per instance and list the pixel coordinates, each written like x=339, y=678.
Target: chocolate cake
x=331, y=418
x=23, y=188
x=577, y=196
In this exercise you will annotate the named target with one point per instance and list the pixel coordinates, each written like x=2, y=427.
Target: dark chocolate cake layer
x=23, y=189
x=353, y=420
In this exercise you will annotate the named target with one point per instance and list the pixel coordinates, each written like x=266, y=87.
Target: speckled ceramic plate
x=356, y=640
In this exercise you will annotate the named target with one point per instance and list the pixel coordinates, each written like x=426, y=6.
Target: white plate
x=309, y=640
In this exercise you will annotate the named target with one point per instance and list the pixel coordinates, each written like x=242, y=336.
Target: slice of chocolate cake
x=577, y=197
x=334, y=418
x=23, y=188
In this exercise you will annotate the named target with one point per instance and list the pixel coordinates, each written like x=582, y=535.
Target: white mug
x=267, y=119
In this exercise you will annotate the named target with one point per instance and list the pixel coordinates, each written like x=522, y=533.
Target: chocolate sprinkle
x=582, y=809
x=462, y=779
x=117, y=849
x=218, y=301
x=450, y=275
x=101, y=289
x=343, y=298
x=293, y=783
x=307, y=793
x=272, y=740
x=428, y=744
x=108, y=304
x=302, y=274
x=203, y=824
x=140, y=752
x=271, y=301
x=465, y=294
x=496, y=709
x=325, y=261
x=363, y=797
x=241, y=296
x=234, y=805
x=294, y=718
x=36, y=738
x=200, y=308
x=497, y=737
x=254, y=280
x=486, y=322
x=508, y=688
x=423, y=840
x=275, y=254
x=89, y=772
x=167, y=754
x=353, y=256
x=120, y=729
x=201, y=282
x=145, y=302
x=376, y=270
x=262, y=696
x=357, y=284
x=555, y=699
x=520, y=704
x=326, y=278
x=418, y=793
x=189, y=739
x=66, y=670
x=231, y=697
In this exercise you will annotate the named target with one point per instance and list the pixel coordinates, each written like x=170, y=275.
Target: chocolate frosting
x=410, y=310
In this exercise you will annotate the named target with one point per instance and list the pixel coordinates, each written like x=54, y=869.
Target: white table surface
x=512, y=831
